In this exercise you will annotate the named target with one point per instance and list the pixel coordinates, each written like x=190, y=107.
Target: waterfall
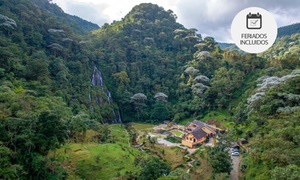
x=108, y=96
x=92, y=107
x=114, y=113
x=97, y=100
x=97, y=80
x=120, y=118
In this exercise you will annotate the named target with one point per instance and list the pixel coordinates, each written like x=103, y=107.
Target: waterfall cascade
x=92, y=107
x=97, y=80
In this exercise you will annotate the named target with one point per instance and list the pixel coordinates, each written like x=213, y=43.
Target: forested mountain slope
x=45, y=74
x=289, y=30
x=77, y=24
x=145, y=53
x=285, y=48
x=273, y=112
x=267, y=113
x=207, y=80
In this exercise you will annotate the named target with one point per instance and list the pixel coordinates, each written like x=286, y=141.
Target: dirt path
x=234, y=174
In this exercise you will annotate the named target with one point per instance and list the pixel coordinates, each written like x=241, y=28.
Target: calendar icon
x=254, y=21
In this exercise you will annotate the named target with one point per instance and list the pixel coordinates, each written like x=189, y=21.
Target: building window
x=194, y=140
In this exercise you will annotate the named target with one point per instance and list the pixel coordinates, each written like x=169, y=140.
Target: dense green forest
x=63, y=78
x=46, y=71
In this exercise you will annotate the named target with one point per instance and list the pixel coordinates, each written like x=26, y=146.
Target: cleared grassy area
x=220, y=116
x=184, y=121
x=172, y=155
x=99, y=161
x=173, y=139
x=177, y=133
x=202, y=168
x=119, y=134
